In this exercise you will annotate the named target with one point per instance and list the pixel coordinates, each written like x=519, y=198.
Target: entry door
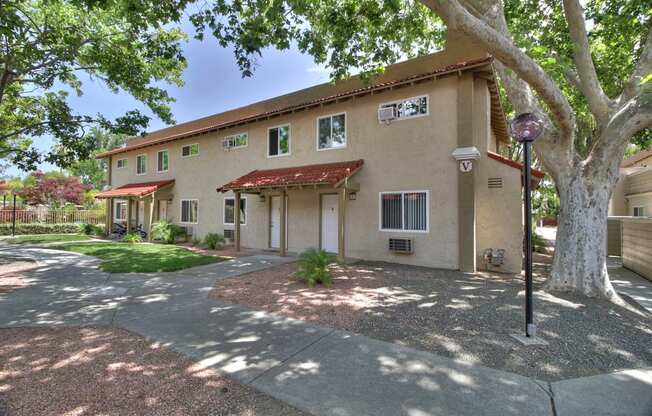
x=275, y=223
x=141, y=213
x=329, y=214
x=162, y=210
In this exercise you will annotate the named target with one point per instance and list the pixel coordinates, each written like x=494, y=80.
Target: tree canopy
x=44, y=47
x=93, y=171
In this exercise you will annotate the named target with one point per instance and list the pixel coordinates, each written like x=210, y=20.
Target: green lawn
x=46, y=238
x=140, y=258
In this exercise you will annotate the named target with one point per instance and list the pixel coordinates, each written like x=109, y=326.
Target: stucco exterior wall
x=407, y=155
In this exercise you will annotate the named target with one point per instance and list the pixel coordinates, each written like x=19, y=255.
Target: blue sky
x=212, y=84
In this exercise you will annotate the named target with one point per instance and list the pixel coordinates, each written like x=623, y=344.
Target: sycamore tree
x=584, y=68
x=45, y=47
x=92, y=171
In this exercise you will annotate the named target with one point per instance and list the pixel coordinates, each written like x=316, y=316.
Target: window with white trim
x=229, y=213
x=121, y=163
x=120, y=210
x=278, y=141
x=409, y=107
x=404, y=211
x=190, y=150
x=639, y=211
x=331, y=132
x=162, y=161
x=189, y=211
x=141, y=164
x=235, y=141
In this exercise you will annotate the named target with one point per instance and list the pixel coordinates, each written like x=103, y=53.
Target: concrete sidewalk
x=317, y=369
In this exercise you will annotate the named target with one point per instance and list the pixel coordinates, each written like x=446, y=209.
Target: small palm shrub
x=132, y=238
x=314, y=267
x=165, y=230
x=214, y=241
x=90, y=229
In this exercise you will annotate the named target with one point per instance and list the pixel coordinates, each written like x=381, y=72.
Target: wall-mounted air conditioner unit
x=401, y=245
x=229, y=234
x=386, y=114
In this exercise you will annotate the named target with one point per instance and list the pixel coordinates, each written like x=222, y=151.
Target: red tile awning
x=322, y=174
x=134, y=189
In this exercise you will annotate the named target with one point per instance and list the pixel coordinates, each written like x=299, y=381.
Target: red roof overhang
x=134, y=189
x=537, y=175
x=322, y=174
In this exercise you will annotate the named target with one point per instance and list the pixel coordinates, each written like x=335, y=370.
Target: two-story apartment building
x=403, y=168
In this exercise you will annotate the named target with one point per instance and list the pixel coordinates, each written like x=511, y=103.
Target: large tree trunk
x=580, y=254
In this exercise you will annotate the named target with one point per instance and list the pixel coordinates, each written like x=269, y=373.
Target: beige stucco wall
x=410, y=154
x=634, y=189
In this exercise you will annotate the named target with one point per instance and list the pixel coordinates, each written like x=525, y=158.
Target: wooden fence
x=637, y=245
x=53, y=216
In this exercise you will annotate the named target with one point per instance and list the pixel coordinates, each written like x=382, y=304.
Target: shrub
x=91, y=229
x=314, y=267
x=132, y=238
x=196, y=241
x=538, y=243
x=165, y=230
x=214, y=241
x=37, y=228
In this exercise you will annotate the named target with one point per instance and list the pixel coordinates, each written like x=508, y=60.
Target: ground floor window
x=189, y=210
x=120, y=210
x=404, y=211
x=639, y=212
x=229, y=213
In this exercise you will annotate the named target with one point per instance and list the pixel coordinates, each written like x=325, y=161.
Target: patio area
x=461, y=316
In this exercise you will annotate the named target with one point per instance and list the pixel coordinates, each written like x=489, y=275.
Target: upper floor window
x=229, y=212
x=404, y=211
x=639, y=211
x=278, y=141
x=121, y=163
x=189, y=211
x=162, y=161
x=141, y=164
x=190, y=150
x=235, y=141
x=331, y=132
x=410, y=107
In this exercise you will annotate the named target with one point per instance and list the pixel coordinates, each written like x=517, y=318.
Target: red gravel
x=12, y=274
x=109, y=371
x=354, y=290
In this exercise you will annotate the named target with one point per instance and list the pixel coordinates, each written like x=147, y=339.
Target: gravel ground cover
x=12, y=273
x=109, y=371
x=465, y=317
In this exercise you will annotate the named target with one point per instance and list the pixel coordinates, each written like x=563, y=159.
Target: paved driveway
x=317, y=369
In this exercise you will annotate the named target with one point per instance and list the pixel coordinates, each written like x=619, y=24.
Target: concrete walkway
x=629, y=283
x=317, y=369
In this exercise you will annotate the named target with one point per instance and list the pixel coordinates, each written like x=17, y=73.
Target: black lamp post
x=525, y=128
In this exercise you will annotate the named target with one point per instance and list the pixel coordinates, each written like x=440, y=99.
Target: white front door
x=275, y=223
x=162, y=210
x=329, y=214
x=141, y=213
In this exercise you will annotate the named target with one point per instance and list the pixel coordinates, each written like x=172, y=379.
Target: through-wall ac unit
x=230, y=234
x=386, y=114
x=401, y=245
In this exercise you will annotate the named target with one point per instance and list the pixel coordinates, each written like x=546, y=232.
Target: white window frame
x=190, y=146
x=381, y=105
x=246, y=210
x=138, y=156
x=346, y=132
x=157, y=156
x=640, y=208
x=181, y=221
x=117, y=163
x=380, y=211
x=238, y=134
x=289, y=140
x=116, y=203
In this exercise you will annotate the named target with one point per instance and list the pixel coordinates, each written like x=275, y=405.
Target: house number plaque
x=466, y=165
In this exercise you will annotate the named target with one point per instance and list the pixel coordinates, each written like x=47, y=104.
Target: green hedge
x=5, y=229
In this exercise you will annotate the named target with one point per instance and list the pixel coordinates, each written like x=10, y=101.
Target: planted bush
x=314, y=267
x=132, y=238
x=91, y=229
x=165, y=230
x=214, y=241
x=196, y=241
x=36, y=228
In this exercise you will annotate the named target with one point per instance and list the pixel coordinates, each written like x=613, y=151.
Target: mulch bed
x=110, y=371
x=459, y=316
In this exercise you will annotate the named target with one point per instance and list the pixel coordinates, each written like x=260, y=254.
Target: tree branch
x=597, y=100
x=457, y=17
x=643, y=68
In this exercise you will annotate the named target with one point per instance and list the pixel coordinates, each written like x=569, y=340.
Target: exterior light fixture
x=525, y=128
